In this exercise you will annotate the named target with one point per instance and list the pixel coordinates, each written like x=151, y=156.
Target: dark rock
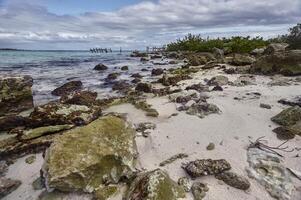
x=230, y=71
x=86, y=98
x=241, y=60
x=112, y=76
x=156, y=56
x=291, y=102
x=144, y=87
x=172, y=62
x=266, y=106
x=10, y=122
x=199, y=190
x=68, y=88
x=144, y=59
x=284, y=133
x=198, y=87
x=38, y=184
x=217, y=88
x=7, y=186
x=136, y=75
x=122, y=86
x=15, y=94
x=173, y=80
x=218, y=80
x=206, y=167
x=288, y=117
x=138, y=54
x=157, y=71
x=100, y=67
x=136, y=80
x=144, y=70
x=124, y=68
x=3, y=167
x=234, y=180
x=211, y=146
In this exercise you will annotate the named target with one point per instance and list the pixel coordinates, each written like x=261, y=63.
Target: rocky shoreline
x=216, y=126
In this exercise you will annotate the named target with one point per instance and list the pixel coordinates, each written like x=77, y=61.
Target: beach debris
x=100, y=153
x=38, y=184
x=185, y=183
x=154, y=185
x=15, y=94
x=204, y=167
x=259, y=143
x=8, y=185
x=144, y=87
x=211, y=146
x=144, y=127
x=218, y=80
x=30, y=159
x=266, y=106
x=199, y=190
x=234, y=180
x=268, y=170
x=67, y=88
x=100, y=67
x=288, y=117
x=173, y=158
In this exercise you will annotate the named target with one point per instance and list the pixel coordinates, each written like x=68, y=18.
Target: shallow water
x=51, y=69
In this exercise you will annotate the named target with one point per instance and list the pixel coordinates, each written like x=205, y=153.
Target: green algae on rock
x=84, y=158
x=143, y=105
x=288, y=117
x=106, y=192
x=154, y=185
x=30, y=159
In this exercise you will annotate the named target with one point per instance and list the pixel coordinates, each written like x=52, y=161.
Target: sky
x=135, y=24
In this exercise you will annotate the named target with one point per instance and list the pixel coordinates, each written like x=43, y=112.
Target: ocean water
x=51, y=69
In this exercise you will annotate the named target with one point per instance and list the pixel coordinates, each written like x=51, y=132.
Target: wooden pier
x=100, y=50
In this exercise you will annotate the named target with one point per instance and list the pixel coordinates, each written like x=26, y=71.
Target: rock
x=100, y=67
x=10, y=122
x=144, y=87
x=172, y=62
x=275, y=48
x=68, y=88
x=230, y=70
x=38, y=184
x=198, y=87
x=86, y=98
x=112, y=76
x=199, y=190
x=202, y=109
x=173, y=158
x=156, y=56
x=218, y=80
x=7, y=186
x=185, y=183
x=143, y=127
x=124, y=68
x=218, y=54
x=143, y=59
x=167, y=80
x=204, y=167
x=85, y=158
x=57, y=195
x=30, y=159
x=296, y=101
x=143, y=105
x=241, y=60
x=157, y=71
x=211, y=146
x=122, y=86
x=258, y=51
x=59, y=114
x=184, y=96
x=268, y=170
x=3, y=167
x=287, y=63
x=138, y=54
x=284, y=133
x=197, y=59
x=217, y=88
x=136, y=80
x=105, y=193
x=234, y=180
x=245, y=80
x=154, y=185
x=15, y=94
x=288, y=117
x=137, y=75
x=266, y=106
x=41, y=131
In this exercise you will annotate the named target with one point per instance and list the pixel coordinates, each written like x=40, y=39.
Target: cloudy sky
x=134, y=24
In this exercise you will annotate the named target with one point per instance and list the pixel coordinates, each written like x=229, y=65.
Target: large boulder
x=218, y=80
x=144, y=87
x=275, y=48
x=89, y=157
x=154, y=185
x=15, y=94
x=287, y=63
x=58, y=114
x=10, y=122
x=157, y=71
x=288, y=117
x=241, y=60
x=167, y=80
x=87, y=98
x=68, y=88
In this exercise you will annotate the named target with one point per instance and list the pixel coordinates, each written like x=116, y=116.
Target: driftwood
x=260, y=145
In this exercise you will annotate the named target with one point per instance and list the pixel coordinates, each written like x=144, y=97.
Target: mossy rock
x=84, y=158
x=106, y=192
x=154, y=185
x=288, y=117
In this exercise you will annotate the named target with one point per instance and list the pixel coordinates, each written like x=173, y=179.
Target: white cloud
x=28, y=25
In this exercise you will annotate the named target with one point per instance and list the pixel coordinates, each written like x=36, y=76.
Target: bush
x=231, y=45
x=294, y=37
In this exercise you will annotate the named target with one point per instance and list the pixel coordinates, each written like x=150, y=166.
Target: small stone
x=30, y=159
x=211, y=146
x=100, y=67
x=185, y=183
x=266, y=106
x=234, y=180
x=199, y=190
x=7, y=186
x=38, y=184
x=124, y=68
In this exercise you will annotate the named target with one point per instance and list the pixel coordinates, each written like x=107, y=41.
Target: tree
x=294, y=37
